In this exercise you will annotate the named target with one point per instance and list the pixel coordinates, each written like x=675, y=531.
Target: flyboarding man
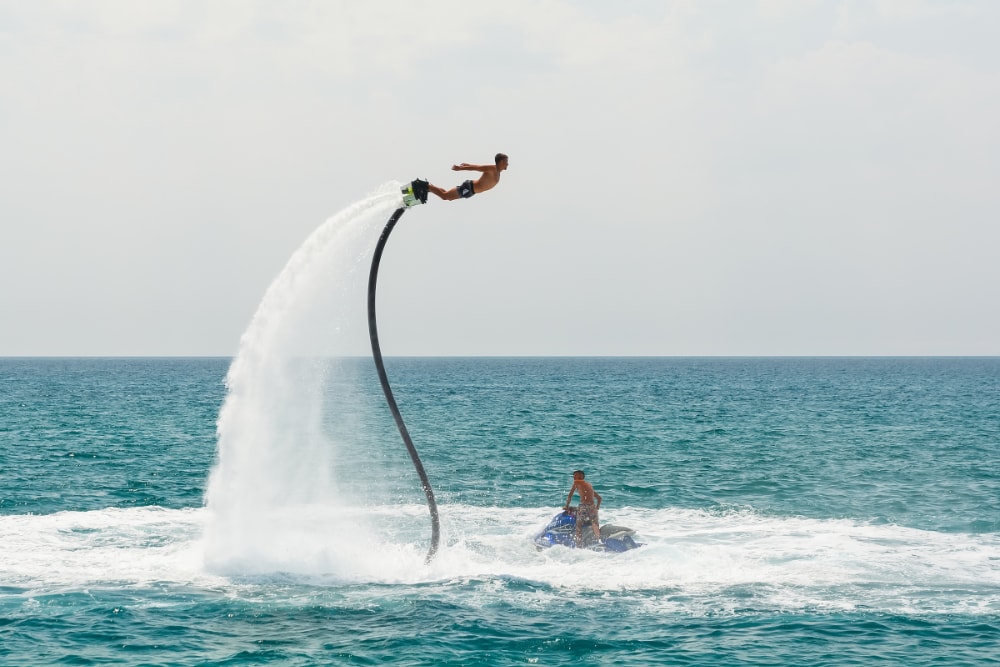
x=587, y=511
x=416, y=192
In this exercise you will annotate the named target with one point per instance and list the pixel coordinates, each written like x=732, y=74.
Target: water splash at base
x=274, y=456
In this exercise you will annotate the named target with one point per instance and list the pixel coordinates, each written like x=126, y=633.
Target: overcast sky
x=779, y=177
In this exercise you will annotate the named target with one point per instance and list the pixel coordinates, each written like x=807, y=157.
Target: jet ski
x=562, y=530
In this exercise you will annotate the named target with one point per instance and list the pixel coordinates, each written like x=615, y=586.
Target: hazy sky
x=779, y=177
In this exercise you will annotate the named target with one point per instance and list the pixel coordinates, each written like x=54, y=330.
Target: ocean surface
x=827, y=511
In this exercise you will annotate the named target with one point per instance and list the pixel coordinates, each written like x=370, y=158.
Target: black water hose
x=387, y=390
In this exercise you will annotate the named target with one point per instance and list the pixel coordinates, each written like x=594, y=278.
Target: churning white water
x=271, y=490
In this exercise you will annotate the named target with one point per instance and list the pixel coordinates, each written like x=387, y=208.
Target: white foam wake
x=692, y=562
x=273, y=451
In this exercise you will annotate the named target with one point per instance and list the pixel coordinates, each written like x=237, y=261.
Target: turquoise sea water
x=794, y=512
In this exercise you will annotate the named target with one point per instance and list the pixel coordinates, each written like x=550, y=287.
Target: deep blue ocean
x=826, y=511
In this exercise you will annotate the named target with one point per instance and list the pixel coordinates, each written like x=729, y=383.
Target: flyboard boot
x=414, y=193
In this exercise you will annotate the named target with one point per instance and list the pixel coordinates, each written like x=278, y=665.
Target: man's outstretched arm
x=465, y=166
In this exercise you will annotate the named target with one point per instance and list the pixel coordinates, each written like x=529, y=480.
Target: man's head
x=501, y=161
x=578, y=474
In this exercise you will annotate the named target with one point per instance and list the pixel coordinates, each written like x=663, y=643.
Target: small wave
x=639, y=490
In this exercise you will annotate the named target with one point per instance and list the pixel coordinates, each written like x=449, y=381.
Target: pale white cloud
x=782, y=8
x=924, y=9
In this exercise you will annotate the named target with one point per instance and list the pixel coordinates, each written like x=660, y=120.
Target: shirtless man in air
x=489, y=179
x=587, y=511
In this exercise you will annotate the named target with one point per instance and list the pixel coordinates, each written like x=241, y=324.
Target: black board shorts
x=465, y=190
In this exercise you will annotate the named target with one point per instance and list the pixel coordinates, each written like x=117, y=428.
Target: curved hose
x=387, y=390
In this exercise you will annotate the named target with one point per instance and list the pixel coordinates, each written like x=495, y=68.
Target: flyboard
x=413, y=194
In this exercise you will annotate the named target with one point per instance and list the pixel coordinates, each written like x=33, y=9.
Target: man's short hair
x=499, y=157
x=582, y=474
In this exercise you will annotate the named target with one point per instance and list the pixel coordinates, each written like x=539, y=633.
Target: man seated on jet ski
x=587, y=511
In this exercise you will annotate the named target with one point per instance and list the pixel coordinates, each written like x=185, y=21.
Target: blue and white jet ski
x=562, y=530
